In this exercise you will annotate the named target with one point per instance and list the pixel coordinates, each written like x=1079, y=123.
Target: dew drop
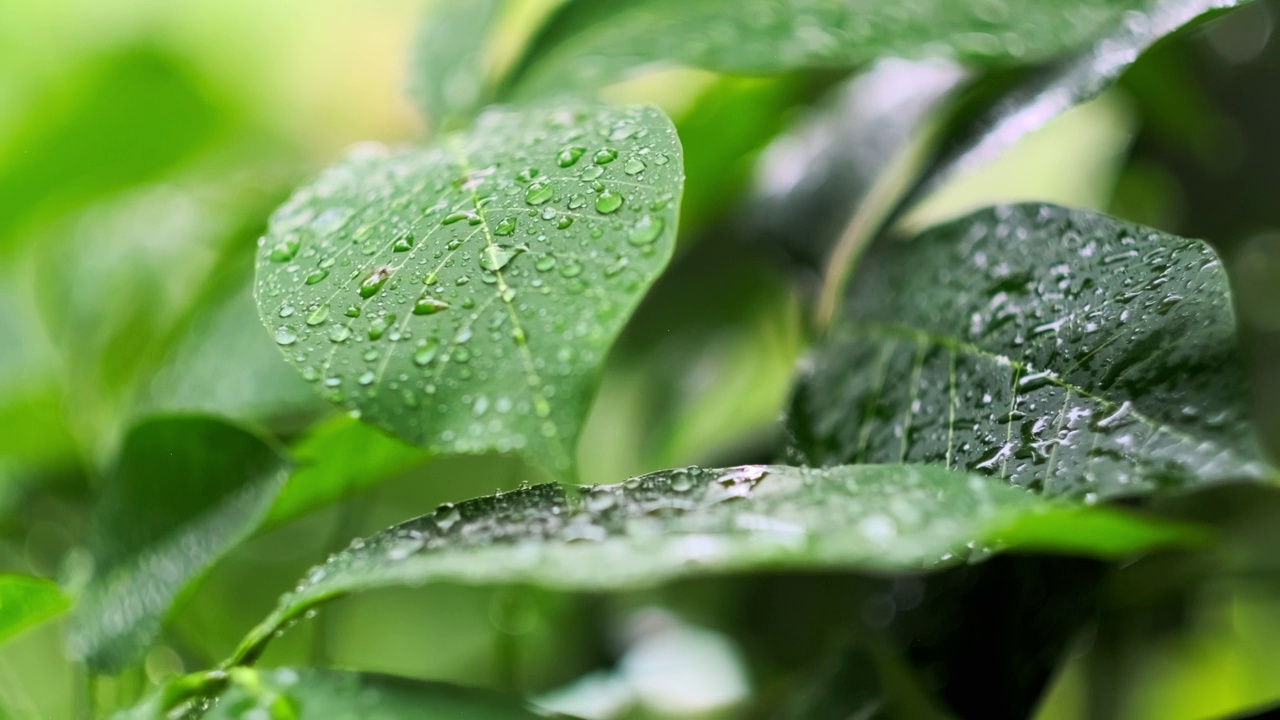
x=506, y=226
x=319, y=315
x=646, y=230
x=339, y=333
x=545, y=263
x=496, y=257
x=374, y=282
x=605, y=156
x=285, y=335
x=569, y=156
x=527, y=174
x=428, y=305
x=316, y=276
x=539, y=193
x=608, y=201
x=633, y=166
x=286, y=249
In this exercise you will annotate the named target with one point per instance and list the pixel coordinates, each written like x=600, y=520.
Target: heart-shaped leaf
x=1056, y=349
x=693, y=521
x=27, y=601
x=184, y=491
x=308, y=694
x=463, y=296
x=594, y=42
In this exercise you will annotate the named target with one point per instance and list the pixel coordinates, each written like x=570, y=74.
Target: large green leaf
x=463, y=296
x=26, y=601
x=447, y=76
x=184, y=491
x=1056, y=349
x=308, y=694
x=594, y=42
x=695, y=521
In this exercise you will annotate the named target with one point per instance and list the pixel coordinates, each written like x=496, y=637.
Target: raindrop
x=319, y=315
x=569, y=156
x=454, y=217
x=428, y=305
x=564, y=222
x=496, y=257
x=425, y=353
x=506, y=226
x=316, y=276
x=527, y=174
x=646, y=230
x=633, y=166
x=285, y=335
x=608, y=201
x=366, y=378
x=374, y=282
x=352, y=312
x=339, y=333
x=604, y=156
x=571, y=268
x=539, y=193
x=404, y=243
x=286, y=249
x=545, y=263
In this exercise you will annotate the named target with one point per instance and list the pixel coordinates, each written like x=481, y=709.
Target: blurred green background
x=144, y=142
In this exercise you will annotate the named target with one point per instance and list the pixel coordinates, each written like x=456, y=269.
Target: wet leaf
x=27, y=601
x=309, y=694
x=447, y=76
x=694, y=521
x=594, y=42
x=463, y=296
x=184, y=491
x=1055, y=349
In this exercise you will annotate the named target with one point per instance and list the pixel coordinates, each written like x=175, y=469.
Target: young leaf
x=1061, y=350
x=184, y=491
x=309, y=694
x=447, y=74
x=693, y=521
x=463, y=296
x=27, y=601
x=594, y=42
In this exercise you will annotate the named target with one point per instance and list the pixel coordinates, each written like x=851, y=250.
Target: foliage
x=1019, y=445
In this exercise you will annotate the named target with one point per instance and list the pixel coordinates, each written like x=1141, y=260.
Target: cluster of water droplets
x=1057, y=349
x=455, y=294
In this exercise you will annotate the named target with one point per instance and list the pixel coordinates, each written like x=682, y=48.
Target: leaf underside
x=679, y=523
x=1060, y=350
x=463, y=296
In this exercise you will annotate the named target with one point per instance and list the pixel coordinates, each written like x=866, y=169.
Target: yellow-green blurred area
x=143, y=144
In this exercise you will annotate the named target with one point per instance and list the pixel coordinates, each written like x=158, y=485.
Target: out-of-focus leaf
x=1060, y=350
x=693, y=521
x=184, y=491
x=594, y=42
x=26, y=601
x=448, y=73
x=337, y=458
x=134, y=115
x=813, y=180
x=309, y=694
x=463, y=296
x=1060, y=86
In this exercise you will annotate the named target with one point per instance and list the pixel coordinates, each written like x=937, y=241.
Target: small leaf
x=27, y=601
x=687, y=522
x=337, y=458
x=184, y=491
x=594, y=42
x=1056, y=349
x=447, y=77
x=463, y=296
x=308, y=694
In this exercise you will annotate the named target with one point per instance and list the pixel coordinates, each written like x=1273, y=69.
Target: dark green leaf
x=1056, y=349
x=686, y=522
x=183, y=492
x=308, y=694
x=447, y=77
x=26, y=601
x=463, y=296
x=595, y=42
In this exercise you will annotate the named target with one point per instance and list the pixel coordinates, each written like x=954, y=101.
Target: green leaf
x=27, y=601
x=693, y=521
x=447, y=76
x=309, y=694
x=1056, y=349
x=335, y=459
x=1046, y=94
x=463, y=296
x=594, y=42
x=184, y=491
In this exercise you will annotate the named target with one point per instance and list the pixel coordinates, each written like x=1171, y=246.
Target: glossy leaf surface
x=463, y=296
x=1060, y=350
